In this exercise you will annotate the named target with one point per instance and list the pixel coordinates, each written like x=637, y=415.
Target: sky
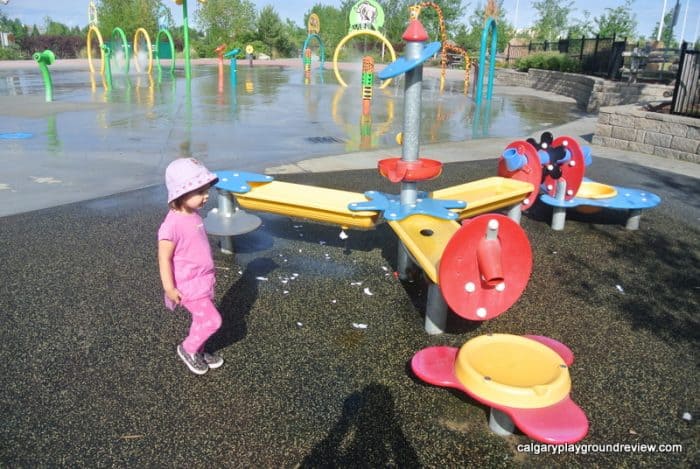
x=518, y=12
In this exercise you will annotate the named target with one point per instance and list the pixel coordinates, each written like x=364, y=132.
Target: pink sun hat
x=185, y=175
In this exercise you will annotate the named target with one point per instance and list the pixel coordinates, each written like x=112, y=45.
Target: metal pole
x=559, y=213
x=435, y=311
x=411, y=118
x=661, y=23
x=186, y=39
x=685, y=17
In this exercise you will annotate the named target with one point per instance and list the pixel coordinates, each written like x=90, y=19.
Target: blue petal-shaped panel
x=237, y=181
x=403, y=65
x=390, y=205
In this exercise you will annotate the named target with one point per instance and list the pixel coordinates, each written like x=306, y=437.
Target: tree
x=582, y=27
x=553, y=19
x=395, y=19
x=470, y=38
x=54, y=28
x=271, y=31
x=296, y=35
x=619, y=21
x=224, y=21
x=129, y=15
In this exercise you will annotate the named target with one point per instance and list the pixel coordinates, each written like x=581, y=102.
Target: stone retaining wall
x=632, y=128
x=590, y=93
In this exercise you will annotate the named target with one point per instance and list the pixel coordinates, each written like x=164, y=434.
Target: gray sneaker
x=213, y=360
x=193, y=361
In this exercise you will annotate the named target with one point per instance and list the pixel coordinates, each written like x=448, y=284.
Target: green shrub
x=547, y=61
x=10, y=53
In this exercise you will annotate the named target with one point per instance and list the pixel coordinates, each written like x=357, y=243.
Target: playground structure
x=479, y=268
x=556, y=167
x=313, y=30
x=524, y=380
x=465, y=264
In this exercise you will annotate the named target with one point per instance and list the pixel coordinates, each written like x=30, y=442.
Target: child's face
x=196, y=199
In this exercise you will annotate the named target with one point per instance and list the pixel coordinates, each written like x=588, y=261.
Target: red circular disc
x=397, y=170
x=461, y=278
x=531, y=172
x=571, y=171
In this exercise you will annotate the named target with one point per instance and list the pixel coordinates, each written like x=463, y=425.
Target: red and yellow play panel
x=310, y=202
x=479, y=275
x=486, y=195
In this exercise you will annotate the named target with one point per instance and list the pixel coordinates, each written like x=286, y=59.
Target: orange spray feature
x=446, y=46
x=220, y=53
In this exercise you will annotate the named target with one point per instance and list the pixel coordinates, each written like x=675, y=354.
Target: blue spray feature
x=15, y=136
x=234, y=70
x=490, y=26
x=322, y=57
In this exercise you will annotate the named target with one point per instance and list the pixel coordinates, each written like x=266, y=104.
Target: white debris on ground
x=262, y=279
x=367, y=292
x=687, y=416
x=343, y=235
x=359, y=325
x=46, y=180
x=619, y=288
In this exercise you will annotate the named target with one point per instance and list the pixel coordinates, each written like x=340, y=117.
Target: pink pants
x=206, y=320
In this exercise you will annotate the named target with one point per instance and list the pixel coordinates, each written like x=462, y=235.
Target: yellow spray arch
x=93, y=30
x=353, y=34
x=143, y=33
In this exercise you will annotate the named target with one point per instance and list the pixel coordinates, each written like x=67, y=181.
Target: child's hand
x=174, y=295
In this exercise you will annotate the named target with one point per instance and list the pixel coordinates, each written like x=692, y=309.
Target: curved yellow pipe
x=136, y=50
x=89, y=49
x=363, y=32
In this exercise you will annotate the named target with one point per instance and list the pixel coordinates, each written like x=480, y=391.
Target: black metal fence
x=686, y=93
x=598, y=56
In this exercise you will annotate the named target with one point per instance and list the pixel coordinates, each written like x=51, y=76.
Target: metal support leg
x=559, y=213
x=435, y=311
x=633, y=219
x=515, y=213
x=500, y=423
x=404, y=263
x=226, y=209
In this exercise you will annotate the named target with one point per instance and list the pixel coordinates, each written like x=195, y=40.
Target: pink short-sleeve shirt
x=193, y=265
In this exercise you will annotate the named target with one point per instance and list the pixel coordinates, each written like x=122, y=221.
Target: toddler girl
x=185, y=261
